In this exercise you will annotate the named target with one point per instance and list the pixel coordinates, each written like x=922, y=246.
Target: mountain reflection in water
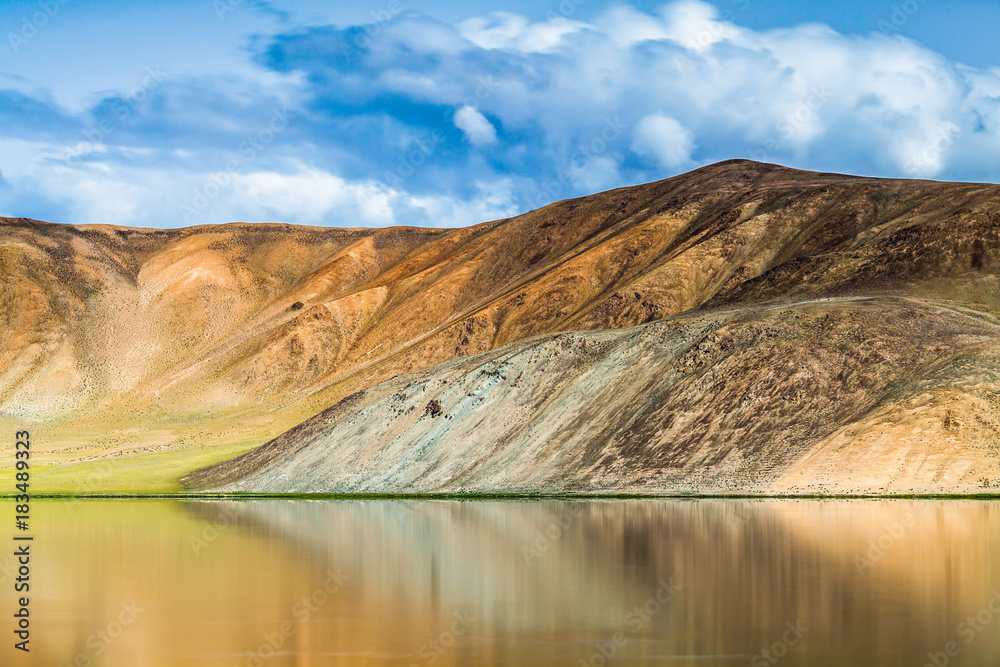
x=428, y=582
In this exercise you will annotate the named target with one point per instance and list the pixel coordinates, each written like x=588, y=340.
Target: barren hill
x=852, y=395
x=145, y=346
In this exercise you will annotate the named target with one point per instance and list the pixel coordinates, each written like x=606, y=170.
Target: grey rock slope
x=842, y=395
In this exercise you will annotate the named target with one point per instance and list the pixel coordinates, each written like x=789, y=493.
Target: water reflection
x=521, y=583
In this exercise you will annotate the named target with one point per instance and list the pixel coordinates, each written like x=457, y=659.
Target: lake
x=428, y=582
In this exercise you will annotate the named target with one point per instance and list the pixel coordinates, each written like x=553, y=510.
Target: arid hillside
x=158, y=351
x=847, y=395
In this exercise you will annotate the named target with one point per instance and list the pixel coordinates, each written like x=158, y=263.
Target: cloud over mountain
x=415, y=120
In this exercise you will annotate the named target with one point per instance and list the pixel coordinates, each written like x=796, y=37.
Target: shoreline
x=499, y=496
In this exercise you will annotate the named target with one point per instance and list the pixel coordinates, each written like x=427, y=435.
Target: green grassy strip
x=495, y=496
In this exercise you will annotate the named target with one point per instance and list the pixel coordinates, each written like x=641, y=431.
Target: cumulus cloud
x=475, y=125
x=310, y=196
x=503, y=30
x=690, y=87
x=696, y=25
x=663, y=138
x=425, y=122
x=493, y=201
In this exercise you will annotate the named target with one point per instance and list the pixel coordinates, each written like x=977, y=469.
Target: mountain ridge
x=249, y=329
x=725, y=403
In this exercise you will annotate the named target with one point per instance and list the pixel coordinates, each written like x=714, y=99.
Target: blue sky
x=444, y=113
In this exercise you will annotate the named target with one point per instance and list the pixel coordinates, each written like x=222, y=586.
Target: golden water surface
x=609, y=582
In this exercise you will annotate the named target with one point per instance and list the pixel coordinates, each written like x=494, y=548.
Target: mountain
x=147, y=353
x=847, y=395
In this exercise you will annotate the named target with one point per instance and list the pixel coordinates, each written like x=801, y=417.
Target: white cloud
x=493, y=201
x=627, y=27
x=309, y=196
x=696, y=25
x=582, y=107
x=99, y=192
x=476, y=126
x=665, y=139
x=503, y=30
x=596, y=174
x=694, y=89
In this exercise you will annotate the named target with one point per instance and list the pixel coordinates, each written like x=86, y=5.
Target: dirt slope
x=132, y=346
x=721, y=403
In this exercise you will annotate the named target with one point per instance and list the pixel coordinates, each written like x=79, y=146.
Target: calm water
x=511, y=583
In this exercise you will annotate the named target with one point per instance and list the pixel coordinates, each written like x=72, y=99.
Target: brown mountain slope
x=125, y=343
x=855, y=395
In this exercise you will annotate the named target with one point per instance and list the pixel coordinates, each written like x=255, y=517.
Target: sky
x=442, y=113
